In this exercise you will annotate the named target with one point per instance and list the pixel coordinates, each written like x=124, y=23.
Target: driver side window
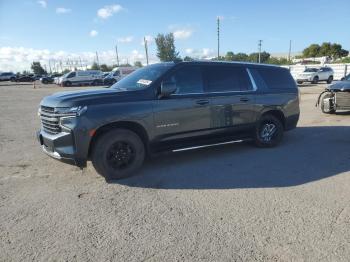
x=188, y=80
x=71, y=75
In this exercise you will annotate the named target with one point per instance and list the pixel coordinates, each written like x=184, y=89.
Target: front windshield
x=66, y=74
x=311, y=70
x=142, y=77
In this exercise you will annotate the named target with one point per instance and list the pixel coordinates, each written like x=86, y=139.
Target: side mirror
x=167, y=88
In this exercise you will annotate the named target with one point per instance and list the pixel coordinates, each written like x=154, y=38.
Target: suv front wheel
x=269, y=131
x=118, y=153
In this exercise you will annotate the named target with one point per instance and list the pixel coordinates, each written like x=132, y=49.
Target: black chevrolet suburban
x=168, y=107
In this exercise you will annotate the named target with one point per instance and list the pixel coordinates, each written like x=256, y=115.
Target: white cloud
x=62, y=10
x=93, y=33
x=108, y=10
x=127, y=39
x=189, y=51
x=182, y=33
x=17, y=59
x=204, y=53
x=43, y=3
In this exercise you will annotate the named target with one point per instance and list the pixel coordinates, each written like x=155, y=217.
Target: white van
x=118, y=73
x=88, y=77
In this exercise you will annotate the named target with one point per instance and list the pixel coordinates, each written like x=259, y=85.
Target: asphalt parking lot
x=233, y=202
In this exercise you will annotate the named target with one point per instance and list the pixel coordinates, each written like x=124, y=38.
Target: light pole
x=116, y=51
x=218, y=31
x=259, y=47
x=146, y=48
x=290, y=49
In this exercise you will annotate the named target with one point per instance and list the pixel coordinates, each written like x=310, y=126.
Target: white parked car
x=5, y=76
x=117, y=74
x=88, y=77
x=314, y=75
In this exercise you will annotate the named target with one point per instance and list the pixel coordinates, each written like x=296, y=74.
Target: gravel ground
x=233, y=202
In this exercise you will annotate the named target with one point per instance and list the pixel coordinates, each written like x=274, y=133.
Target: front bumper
x=304, y=79
x=60, y=147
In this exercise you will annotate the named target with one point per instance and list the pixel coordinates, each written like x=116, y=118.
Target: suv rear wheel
x=269, y=131
x=118, y=153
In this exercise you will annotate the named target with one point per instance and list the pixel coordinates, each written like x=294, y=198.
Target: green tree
x=229, y=56
x=38, y=69
x=166, y=47
x=188, y=59
x=325, y=49
x=254, y=57
x=138, y=64
x=336, y=51
x=95, y=66
x=241, y=57
x=105, y=68
x=278, y=61
x=312, y=51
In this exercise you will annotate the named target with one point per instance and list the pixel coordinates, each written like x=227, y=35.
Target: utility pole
x=146, y=48
x=290, y=49
x=259, y=45
x=81, y=64
x=116, y=51
x=98, y=63
x=50, y=66
x=218, y=24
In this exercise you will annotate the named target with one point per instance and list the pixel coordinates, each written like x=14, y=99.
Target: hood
x=340, y=86
x=89, y=97
x=307, y=73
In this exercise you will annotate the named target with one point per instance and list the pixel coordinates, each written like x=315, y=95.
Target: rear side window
x=226, y=79
x=188, y=80
x=273, y=78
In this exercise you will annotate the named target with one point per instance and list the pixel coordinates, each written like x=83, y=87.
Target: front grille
x=342, y=100
x=49, y=120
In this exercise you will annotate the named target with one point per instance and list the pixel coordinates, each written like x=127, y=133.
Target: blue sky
x=54, y=29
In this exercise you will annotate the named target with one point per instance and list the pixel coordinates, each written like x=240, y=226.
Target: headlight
x=71, y=111
x=68, y=122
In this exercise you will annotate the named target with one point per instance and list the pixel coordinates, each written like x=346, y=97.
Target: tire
x=315, y=80
x=299, y=82
x=330, y=80
x=94, y=83
x=262, y=138
x=331, y=111
x=118, y=142
x=67, y=83
x=45, y=82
